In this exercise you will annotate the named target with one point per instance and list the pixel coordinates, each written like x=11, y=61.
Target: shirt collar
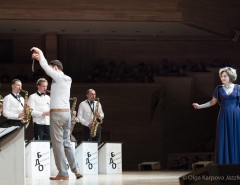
x=40, y=94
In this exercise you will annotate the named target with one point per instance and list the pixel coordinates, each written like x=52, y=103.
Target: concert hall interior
x=147, y=60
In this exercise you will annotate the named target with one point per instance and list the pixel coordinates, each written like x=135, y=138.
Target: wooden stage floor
x=126, y=178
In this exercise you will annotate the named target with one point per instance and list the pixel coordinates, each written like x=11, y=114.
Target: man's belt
x=59, y=110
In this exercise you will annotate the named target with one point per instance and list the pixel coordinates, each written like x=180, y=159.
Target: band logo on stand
x=88, y=163
x=40, y=166
x=114, y=165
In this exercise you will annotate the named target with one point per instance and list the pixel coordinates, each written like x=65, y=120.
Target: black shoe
x=59, y=178
x=78, y=175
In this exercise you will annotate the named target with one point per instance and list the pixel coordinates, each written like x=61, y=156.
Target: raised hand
x=37, y=54
x=195, y=106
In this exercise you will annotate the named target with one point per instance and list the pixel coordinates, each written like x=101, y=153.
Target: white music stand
x=87, y=157
x=110, y=158
x=38, y=159
x=12, y=158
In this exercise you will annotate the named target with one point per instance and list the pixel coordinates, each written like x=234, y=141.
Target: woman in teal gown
x=228, y=122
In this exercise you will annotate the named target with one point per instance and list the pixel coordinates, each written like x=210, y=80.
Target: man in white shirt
x=60, y=117
x=3, y=120
x=13, y=105
x=86, y=111
x=40, y=103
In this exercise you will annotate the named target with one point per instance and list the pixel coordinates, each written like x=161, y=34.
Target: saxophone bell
x=26, y=109
x=1, y=99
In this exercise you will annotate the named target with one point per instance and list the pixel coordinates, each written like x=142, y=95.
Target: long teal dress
x=228, y=126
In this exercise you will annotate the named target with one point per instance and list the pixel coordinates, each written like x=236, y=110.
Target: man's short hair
x=14, y=81
x=40, y=80
x=89, y=90
x=56, y=63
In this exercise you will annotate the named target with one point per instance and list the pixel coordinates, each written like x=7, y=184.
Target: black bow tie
x=41, y=94
x=18, y=96
x=91, y=102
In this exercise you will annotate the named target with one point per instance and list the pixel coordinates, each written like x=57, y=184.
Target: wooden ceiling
x=85, y=10
x=214, y=16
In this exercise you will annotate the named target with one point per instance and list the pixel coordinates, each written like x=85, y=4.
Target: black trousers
x=87, y=137
x=41, y=132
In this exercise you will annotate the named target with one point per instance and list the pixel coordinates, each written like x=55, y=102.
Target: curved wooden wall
x=132, y=10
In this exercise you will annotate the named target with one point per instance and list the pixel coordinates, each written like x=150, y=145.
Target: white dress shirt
x=39, y=104
x=60, y=87
x=85, y=114
x=12, y=107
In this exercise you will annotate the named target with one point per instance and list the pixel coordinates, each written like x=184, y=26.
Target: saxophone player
x=13, y=105
x=40, y=103
x=86, y=113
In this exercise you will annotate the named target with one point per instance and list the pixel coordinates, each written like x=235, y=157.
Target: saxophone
x=96, y=121
x=26, y=109
x=74, y=119
x=1, y=98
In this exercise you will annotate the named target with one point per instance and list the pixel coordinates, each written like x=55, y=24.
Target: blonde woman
x=228, y=122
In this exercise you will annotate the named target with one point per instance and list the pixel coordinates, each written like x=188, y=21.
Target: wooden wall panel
x=79, y=53
x=134, y=51
x=51, y=45
x=21, y=54
x=132, y=10
x=217, y=16
x=79, y=57
x=155, y=51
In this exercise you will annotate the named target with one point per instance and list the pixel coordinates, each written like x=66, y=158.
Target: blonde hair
x=40, y=80
x=230, y=72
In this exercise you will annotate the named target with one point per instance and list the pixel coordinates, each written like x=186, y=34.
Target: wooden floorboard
x=126, y=178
